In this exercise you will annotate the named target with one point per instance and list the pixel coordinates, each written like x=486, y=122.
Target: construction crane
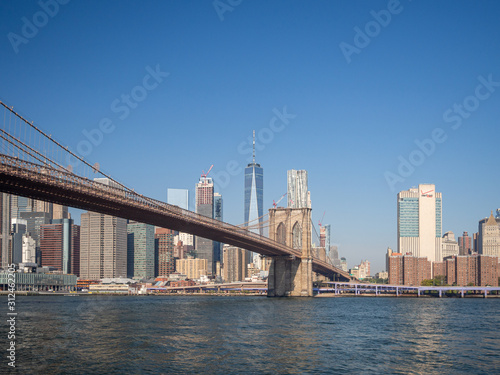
x=321, y=221
x=275, y=204
x=203, y=174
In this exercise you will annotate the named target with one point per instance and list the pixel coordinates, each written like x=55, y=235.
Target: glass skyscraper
x=254, y=194
x=178, y=197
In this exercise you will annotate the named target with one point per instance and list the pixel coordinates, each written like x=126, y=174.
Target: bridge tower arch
x=291, y=275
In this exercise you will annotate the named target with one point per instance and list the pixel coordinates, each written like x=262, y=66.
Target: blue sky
x=230, y=72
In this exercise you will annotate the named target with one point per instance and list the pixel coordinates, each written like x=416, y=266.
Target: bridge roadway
x=48, y=184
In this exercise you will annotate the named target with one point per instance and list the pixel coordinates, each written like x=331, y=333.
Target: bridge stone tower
x=289, y=275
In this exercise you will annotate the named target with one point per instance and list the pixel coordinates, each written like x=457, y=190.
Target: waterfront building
x=164, y=250
x=205, y=206
x=191, y=267
x=449, y=246
x=297, y=191
x=39, y=280
x=490, y=239
x=464, y=270
x=420, y=222
x=140, y=250
x=408, y=269
x=178, y=197
x=235, y=263
x=103, y=246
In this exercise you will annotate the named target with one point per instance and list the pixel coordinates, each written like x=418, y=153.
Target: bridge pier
x=291, y=276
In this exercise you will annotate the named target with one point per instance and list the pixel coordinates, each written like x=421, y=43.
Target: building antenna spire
x=254, y=146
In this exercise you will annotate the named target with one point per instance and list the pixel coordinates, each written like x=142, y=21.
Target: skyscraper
x=254, y=194
x=140, y=250
x=420, y=222
x=205, y=206
x=58, y=247
x=254, y=197
x=178, y=197
x=164, y=248
x=491, y=237
x=465, y=244
x=298, y=194
x=481, y=230
x=5, y=230
x=103, y=246
x=218, y=215
x=34, y=221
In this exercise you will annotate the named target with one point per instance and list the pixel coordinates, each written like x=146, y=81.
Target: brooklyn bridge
x=33, y=165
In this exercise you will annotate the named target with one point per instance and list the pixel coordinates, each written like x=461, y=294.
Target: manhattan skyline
x=279, y=69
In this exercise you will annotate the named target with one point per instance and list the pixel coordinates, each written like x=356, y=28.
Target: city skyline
x=363, y=129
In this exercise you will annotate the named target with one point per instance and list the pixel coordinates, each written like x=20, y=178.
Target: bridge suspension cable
x=23, y=140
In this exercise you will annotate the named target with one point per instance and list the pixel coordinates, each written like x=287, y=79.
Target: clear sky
x=343, y=89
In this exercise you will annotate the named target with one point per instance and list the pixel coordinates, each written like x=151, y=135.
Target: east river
x=252, y=335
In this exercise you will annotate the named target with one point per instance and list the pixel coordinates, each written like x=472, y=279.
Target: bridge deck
x=45, y=183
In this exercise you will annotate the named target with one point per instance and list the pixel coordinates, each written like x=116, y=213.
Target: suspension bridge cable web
x=66, y=149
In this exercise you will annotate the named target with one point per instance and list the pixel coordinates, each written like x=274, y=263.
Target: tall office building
x=235, y=263
x=254, y=194
x=449, y=246
x=297, y=191
x=254, y=198
x=465, y=244
x=205, y=206
x=140, y=250
x=491, y=237
x=178, y=197
x=58, y=247
x=18, y=231
x=480, y=233
x=60, y=212
x=218, y=215
x=324, y=238
x=42, y=206
x=5, y=238
x=420, y=222
x=164, y=252
x=34, y=221
x=20, y=204
x=103, y=246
